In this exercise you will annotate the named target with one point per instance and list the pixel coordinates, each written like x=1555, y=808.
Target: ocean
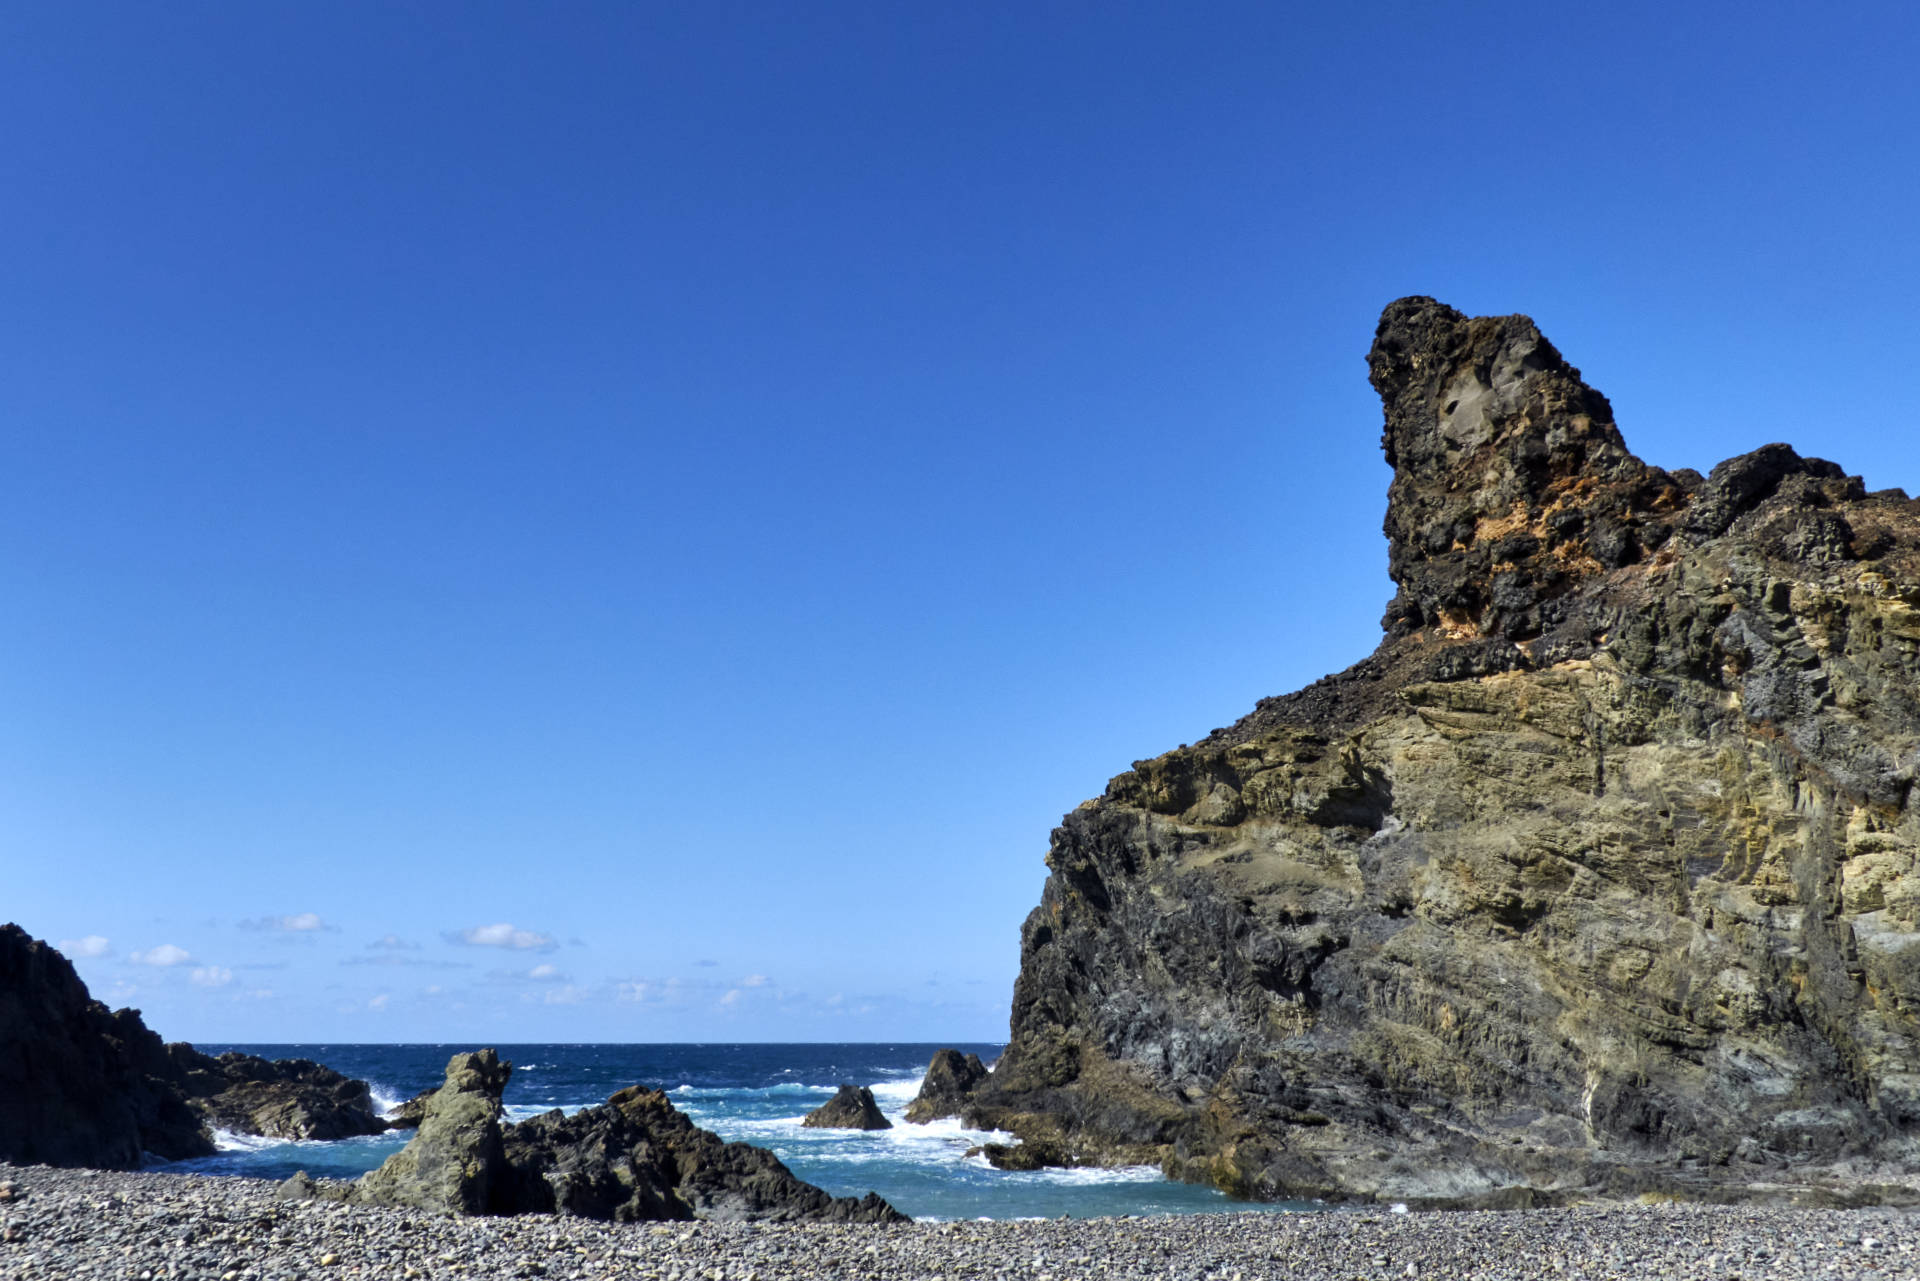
x=756, y=1093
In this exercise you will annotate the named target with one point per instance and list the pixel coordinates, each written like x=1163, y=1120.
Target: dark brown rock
x=282, y=1099
x=949, y=1083
x=851, y=1108
x=637, y=1157
x=634, y=1157
x=1601, y=873
x=79, y=1085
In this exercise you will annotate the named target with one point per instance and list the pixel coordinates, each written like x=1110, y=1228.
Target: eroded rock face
x=949, y=1083
x=1599, y=873
x=851, y=1108
x=455, y=1162
x=80, y=1086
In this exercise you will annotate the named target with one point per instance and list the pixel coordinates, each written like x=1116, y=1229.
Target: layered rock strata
x=634, y=1157
x=275, y=1098
x=851, y=1108
x=1598, y=874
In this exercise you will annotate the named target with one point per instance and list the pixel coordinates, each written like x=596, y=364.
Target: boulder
x=80, y=1086
x=949, y=1083
x=454, y=1162
x=280, y=1099
x=852, y=1108
x=1602, y=872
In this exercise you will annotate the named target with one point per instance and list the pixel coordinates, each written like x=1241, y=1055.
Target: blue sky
x=632, y=522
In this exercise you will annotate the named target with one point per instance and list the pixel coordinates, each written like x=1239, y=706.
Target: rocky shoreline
x=91, y=1223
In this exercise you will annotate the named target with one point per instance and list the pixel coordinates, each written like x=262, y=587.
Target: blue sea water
x=756, y=1093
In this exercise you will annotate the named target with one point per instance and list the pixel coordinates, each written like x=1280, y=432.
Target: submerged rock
x=852, y=1108
x=1598, y=874
x=949, y=1083
x=634, y=1157
x=80, y=1085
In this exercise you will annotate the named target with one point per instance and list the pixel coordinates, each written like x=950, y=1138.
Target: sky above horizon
x=633, y=521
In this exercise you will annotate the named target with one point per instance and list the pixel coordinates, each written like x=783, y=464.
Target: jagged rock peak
x=1511, y=483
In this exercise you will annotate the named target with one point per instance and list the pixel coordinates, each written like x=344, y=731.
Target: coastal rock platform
x=72, y=1223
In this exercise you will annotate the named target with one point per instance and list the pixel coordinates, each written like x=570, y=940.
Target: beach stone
x=852, y=1108
x=948, y=1085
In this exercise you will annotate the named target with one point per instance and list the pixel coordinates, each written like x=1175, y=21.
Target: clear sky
x=633, y=521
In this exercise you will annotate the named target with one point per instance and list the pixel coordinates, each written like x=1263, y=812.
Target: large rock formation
x=278, y=1098
x=634, y=1157
x=1597, y=874
x=851, y=1108
x=947, y=1087
x=80, y=1085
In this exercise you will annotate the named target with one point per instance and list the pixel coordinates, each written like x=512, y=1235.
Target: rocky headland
x=1596, y=877
x=82, y=1085
x=633, y=1158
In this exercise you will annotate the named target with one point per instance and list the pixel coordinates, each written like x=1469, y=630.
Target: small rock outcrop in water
x=852, y=1108
x=280, y=1099
x=634, y=1157
x=80, y=1085
x=409, y=1114
x=1599, y=874
x=949, y=1083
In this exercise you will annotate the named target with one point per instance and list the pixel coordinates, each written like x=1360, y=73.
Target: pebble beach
x=145, y=1226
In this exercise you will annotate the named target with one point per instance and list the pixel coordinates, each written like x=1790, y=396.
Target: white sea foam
x=385, y=1101
x=900, y=1091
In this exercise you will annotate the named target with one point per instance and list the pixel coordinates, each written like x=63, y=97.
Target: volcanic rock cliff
x=1597, y=875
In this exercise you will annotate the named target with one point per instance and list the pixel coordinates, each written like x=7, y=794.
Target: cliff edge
x=1596, y=876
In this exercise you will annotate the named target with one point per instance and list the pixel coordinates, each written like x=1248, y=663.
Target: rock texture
x=282, y=1098
x=851, y=1108
x=1598, y=874
x=80, y=1085
x=948, y=1085
x=634, y=1157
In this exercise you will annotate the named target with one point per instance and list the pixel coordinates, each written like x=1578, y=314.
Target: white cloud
x=379, y=1002
x=546, y=974
x=504, y=935
x=91, y=945
x=732, y=997
x=393, y=943
x=567, y=995
x=256, y=994
x=211, y=976
x=165, y=954
x=635, y=992
x=755, y=980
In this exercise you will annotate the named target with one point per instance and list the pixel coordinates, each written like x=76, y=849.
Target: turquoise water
x=756, y=1093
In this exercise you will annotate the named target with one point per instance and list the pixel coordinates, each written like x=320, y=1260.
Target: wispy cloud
x=379, y=1002
x=503, y=935
x=298, y=923
x=211, y=976
x=91, y=945
x=755, y=980
x=393, y=943
x=415, y=962
x=546, y=974
x=164, y=955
